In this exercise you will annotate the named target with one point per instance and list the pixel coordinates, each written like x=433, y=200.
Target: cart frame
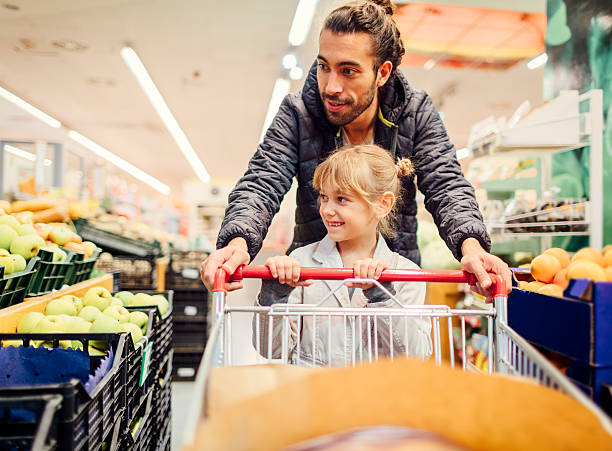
x=508, y=352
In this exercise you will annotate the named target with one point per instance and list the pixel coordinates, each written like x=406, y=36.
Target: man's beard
x=351, y=111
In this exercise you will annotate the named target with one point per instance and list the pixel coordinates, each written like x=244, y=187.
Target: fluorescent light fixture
x=429, y=64
x=281, y=89
x=289, y=61
x=146, y=83
x=119, y=162
x=296, y=73
x=302, y=21
x=29, y=108
x=24, y=154
x=538, y=61
x=462, y=153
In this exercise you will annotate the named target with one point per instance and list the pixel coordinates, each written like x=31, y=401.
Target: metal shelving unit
x=569, y=122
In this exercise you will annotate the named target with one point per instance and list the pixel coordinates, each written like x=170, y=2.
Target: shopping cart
x=508, y=352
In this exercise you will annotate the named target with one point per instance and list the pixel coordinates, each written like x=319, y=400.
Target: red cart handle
x=388, y=275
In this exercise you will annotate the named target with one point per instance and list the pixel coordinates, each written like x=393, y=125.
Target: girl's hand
x=287, y=270
x=367, y=268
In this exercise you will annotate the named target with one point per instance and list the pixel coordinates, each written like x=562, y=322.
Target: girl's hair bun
x=404, y=167
x=388, y=7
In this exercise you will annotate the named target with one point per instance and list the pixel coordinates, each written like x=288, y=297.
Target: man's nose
x=334, y=86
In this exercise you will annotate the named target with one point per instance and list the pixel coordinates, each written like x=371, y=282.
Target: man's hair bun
x=386, y=5
x=404, y=167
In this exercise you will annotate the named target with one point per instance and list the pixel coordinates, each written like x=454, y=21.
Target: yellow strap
x=383, y=120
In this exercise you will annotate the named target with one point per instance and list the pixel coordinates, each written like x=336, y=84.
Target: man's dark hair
x=372, y=17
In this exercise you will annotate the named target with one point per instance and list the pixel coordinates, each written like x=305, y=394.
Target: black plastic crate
x=163, y=406
x=139, y=435
x=29, y=422
x=135, y=273
x=82, y=267
x=14, y=287
x=114, y=243
x=189, y=335
x=84, y=420
x=185, y=365
x=191, y=305
x=50, y=275
x=184, y=270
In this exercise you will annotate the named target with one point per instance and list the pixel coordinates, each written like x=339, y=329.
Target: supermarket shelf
x=511, y=185
x=494, y=148
x=516, y=243
x=541, y=234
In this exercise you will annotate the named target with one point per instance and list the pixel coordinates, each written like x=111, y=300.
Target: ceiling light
x=538, y=61
x=281, y=89
x=23, y=154
x=29, y=108
x=302, y=21
x=429, y=64
x=463, y=153
x=296, y=73
x=146, y=83
x=119, y=162
x=289, y=61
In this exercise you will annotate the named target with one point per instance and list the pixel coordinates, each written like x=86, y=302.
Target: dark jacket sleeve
x=449, y=197
x=257, y=196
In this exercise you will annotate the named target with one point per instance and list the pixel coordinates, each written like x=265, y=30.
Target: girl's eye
x=342, y=199
x=322, y=197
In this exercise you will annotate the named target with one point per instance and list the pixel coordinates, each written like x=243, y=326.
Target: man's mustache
x=336, y=99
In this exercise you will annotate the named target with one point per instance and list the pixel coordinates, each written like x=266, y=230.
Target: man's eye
x=323, y=66
x=349, y=71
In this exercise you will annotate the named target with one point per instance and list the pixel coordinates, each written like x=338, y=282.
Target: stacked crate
x=191, y=307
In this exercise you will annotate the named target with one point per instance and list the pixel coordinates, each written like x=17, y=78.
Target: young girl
x=358, y=187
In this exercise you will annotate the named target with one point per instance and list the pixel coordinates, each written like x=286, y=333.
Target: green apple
x=162, y=303
x=14, y=343
x=10, y=221
x=89, y=313
x=29, y=322
x=141, y=319
x=8, y=264
x=98, y=297
x=95, y=352
x=78, y=304
x=7, y=235
x=104, y=324
x=27, y=245
x=76, y=325
x=141, y=299
x=90, y=248
x=19, y=263
x=59, y=307
x=50, y=324
x=116, y=301
x=76, y=345
x=120, y=313
x=4, y=253
x=26, y=229
x=59, y=255
x=60, y=235
x=134, y=331
x=125, y=297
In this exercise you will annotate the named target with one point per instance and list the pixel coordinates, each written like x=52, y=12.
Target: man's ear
x=383, y=73
x=386, y=203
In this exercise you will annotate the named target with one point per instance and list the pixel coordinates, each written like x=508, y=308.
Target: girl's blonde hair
x=368, y=171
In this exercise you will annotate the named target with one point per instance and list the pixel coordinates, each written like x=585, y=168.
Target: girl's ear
x=386, y=203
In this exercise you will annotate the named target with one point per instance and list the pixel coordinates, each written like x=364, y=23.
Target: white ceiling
x=215, y=64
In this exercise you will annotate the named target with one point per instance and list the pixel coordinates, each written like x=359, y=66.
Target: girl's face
x=347, y=217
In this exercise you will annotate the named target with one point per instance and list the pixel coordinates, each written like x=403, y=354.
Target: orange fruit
x=589, y=253
x=559, y=254
x=585, y=269
x=606, y=248
x=561, y=278
x=608, y=273
x=607, y=258
x=550, y=290
x=533, y=286
x=544, y=267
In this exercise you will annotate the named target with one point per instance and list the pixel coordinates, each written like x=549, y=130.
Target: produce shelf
x=115, y=243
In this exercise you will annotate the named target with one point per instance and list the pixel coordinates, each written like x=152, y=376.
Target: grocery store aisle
x=243, y=353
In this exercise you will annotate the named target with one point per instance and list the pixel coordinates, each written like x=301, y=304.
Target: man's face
x=347, y=80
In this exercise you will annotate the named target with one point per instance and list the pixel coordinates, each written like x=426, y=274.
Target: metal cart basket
x=279, y=330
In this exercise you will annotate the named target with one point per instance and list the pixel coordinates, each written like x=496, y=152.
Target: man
x=354, y=94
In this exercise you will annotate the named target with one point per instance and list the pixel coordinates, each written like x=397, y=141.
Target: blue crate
x=578, y=326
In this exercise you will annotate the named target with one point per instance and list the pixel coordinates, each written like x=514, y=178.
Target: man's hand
x=229, y=258
x=480, y=263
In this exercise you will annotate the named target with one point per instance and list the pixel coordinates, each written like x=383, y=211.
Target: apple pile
x=20, y=236
x=553, y=269
x=96, y=312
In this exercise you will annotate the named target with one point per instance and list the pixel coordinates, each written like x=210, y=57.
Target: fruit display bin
x=116, y=244
x=84, y=420
x=183, y=271
x=577, y=326
x=29, y=422
x=140, y=432
x=135, y=273
x=82, y=267
x=14, y=287
x=162, y=399
x=50, y=275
